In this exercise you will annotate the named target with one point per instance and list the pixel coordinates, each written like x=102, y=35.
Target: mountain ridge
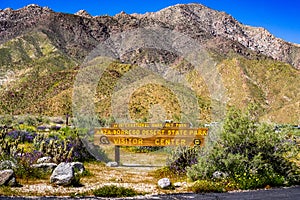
x=181, y=17
x=44, y=49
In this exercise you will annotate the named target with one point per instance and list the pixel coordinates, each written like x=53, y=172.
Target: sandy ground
x=135, y=172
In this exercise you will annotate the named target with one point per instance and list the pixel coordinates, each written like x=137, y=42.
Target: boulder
x=7, y=164
x=112, y=164
x=164, y=183
x=78, y=167
x=63, y=174
x=7, y=178
x=46, y=159
x=46, y=167
x=180, y=184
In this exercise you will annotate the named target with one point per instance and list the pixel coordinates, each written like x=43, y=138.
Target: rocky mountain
x=198, y=21
x=40, y=51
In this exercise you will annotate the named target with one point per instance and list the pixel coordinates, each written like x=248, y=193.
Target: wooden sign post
x=149, y=134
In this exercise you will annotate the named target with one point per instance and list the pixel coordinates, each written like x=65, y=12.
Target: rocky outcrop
x=78, y=34
x=83, y=13
x=198, y=20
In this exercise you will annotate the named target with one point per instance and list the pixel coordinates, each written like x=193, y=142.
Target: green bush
x=205, y=186
x=114, y=191
x=248, y=181
x=252, y=154
x=27, y=172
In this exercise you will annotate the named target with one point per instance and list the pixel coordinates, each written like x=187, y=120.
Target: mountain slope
x=199, y=21
x=41, y=51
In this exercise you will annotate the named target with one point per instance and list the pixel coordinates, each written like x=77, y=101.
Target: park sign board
x=150, y=134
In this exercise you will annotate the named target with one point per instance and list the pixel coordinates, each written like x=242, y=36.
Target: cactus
x=54, y=148
x=8, y=148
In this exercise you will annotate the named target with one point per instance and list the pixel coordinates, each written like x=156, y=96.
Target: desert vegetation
x=247, y=154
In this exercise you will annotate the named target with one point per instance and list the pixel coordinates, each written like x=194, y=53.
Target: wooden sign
x=146, y=134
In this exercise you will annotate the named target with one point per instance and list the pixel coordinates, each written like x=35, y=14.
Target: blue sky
x=280, y=17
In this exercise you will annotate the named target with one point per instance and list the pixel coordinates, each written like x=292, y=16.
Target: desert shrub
x=9, y=151
x=181, y=158
x=252, y=154
x=68, y=145
x=25, y=127
x=6, y=120
x=8, y=148
x=205, y=186
x=142, y=149
x=165, y=171
x=114, y=191
x=62, y=150
x=24, y=136
x=249, y=180
x=24, y=167
x=31, y=121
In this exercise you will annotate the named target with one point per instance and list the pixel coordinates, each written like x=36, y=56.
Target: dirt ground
x=137, y=171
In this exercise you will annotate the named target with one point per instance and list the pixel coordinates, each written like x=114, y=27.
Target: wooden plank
x=117, y=154
x=187, y=132
x=146, y=134
x=150, y=125
x=125, y=140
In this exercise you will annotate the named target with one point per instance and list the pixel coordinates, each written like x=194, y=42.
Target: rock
x=46, y=167
x=83, y=13
x=219, y=175
x=7, y=178
x=7, y=164
x=164, y=183
x=177, y=184
x=180, y=184
x=63, y=174
x=46, y=159
x=78, y=167
x=112, y=164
